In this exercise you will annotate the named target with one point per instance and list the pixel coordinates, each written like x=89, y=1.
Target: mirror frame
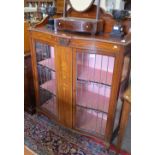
x=92, y=1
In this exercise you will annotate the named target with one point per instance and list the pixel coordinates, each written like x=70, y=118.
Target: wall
x=110, y=4
x=116, y=4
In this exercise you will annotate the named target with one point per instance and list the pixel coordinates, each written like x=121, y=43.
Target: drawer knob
x=88, y=26
x=60, y=24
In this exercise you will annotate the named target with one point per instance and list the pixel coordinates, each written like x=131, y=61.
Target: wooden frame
x=75, y=51
x=35, y=76
x=114, y=90
x=92, y=1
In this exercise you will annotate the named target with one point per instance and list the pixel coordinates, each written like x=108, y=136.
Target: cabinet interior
x=46, y=77
x=93, y=88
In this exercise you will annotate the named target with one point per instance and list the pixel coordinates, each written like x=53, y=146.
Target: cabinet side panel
x=64, y=84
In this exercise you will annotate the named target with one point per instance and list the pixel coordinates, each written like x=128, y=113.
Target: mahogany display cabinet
x=78, y=78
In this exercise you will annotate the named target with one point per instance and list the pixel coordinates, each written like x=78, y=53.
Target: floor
x=125, y=146
x=127, y=139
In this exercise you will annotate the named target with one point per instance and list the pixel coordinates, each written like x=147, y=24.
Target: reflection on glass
x=46, y=76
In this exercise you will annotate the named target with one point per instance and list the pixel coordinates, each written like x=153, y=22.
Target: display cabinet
x=78, y=78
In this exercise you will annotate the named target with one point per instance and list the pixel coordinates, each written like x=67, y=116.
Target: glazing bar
x=99, y=93
x=105, y=89
x=94, y=80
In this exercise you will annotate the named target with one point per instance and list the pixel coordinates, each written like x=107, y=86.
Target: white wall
x=110, y=4
x=117, y=4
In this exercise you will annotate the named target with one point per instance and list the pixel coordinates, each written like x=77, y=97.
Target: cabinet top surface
x=103, y=37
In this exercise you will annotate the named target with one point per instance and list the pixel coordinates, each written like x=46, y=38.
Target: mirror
x=81, y=5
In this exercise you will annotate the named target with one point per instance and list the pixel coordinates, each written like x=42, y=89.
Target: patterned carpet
x=45, y=137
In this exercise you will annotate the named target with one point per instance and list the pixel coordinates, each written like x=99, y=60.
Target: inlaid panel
x=64, y=84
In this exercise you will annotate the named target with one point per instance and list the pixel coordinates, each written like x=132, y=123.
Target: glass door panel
x=93, y=89
x=91, y=121
x=46, y=76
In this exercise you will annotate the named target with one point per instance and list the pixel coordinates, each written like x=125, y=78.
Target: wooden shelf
x=92, y=74
x=48, y=63
x=50, y=86
x=45, y=74
x=93, y=96
x=45, y=95
x=50, y=105
x=93, y=121
x=95, y=67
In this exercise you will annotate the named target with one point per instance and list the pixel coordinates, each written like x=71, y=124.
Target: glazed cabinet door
x=45, y=77
x=92, y=74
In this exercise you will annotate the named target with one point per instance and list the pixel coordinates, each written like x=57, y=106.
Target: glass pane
x=91, y=121
x=93, y=89
x=95, y=68
x=92, y=95
x=46, y=76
